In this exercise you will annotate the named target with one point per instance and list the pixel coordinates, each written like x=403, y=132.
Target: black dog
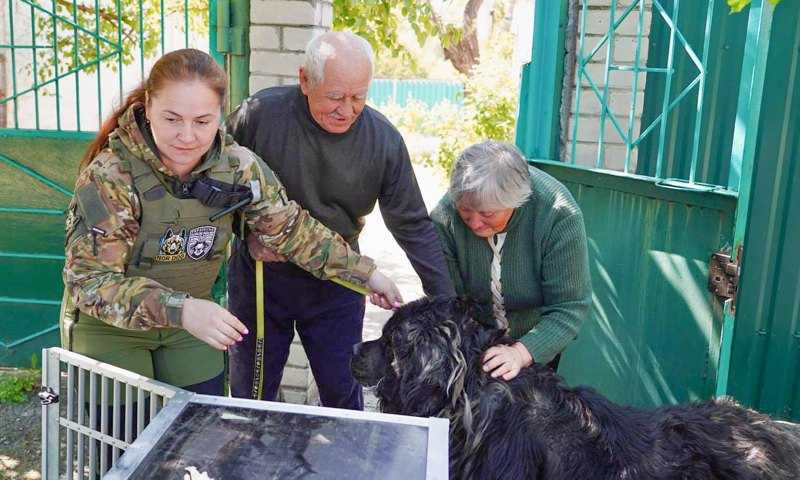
x=428, y=363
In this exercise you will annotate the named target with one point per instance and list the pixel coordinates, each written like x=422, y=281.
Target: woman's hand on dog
x=385, y=293
x=506, y=360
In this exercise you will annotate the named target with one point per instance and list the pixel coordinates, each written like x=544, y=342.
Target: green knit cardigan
x=545, y=266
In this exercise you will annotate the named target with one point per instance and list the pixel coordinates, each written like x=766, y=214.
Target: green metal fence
x=722, y=37
x=638, y=99
x=673, y=95
x=764, y=348
x=69, y=62
x=629, y=127
x=428, y=92
x=65, y=65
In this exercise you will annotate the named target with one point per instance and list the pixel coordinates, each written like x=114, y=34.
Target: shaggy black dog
x=428, y=363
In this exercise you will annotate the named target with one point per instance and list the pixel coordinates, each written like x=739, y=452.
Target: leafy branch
x=378, y=22
x=85, y=37
x=738, y=5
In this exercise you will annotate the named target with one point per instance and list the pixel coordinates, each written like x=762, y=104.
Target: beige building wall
x=279, y=32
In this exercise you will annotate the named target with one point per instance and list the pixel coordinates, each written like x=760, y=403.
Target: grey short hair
x=322, y=47
x=495, y=174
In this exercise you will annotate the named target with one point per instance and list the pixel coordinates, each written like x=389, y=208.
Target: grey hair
x=322, y=47
x=495, y=174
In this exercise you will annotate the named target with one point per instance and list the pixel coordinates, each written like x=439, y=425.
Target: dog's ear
x=464, y=309
x=430, y=365
x=477, y=317
x=477, y=338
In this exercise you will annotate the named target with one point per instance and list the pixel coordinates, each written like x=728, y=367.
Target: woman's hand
x=211, y=323
x=506, y=361
x=384, y=292
x=260, y=252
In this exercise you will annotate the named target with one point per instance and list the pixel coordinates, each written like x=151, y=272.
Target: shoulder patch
x=92, y=207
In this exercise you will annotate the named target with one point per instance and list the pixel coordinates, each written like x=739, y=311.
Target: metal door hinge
x=232, y=25
x=723, y=276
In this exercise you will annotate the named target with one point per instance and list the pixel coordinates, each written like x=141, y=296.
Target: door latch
x=48, y=396
x=723, y=276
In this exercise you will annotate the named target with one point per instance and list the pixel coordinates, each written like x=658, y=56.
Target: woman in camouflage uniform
x=146, y=232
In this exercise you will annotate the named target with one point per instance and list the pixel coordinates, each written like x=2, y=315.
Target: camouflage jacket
x=94, y=272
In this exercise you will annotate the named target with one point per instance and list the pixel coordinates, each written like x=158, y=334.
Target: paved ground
x=378, y=243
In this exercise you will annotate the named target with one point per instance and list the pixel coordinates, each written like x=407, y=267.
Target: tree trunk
x=465, y=54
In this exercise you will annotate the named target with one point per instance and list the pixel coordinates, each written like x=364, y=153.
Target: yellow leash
x=352, y=286
x=258, y=373
x=258, y=367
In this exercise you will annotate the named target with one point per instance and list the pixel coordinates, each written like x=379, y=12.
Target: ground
x=20, y=449
x=20, y=424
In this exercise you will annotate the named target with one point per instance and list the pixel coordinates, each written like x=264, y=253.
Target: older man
x=336, y=157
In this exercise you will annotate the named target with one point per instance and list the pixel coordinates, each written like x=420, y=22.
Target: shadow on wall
x=653, y=334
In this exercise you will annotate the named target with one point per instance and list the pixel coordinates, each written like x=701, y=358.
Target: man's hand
x=506, y=361
x=260, y=252
x=384, y=292
x=211, y=323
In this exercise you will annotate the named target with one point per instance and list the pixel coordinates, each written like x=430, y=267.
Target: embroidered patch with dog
x=172, y=246
x=200, y=241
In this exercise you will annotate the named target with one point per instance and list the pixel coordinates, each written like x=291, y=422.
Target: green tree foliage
x=15, y=385
x=86, y=36
x=491, y=95
x=378, y=22
x=738, y=5
x=489, y=108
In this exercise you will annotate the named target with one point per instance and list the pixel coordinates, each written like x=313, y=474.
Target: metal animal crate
x=78, y=397
x=178, y=432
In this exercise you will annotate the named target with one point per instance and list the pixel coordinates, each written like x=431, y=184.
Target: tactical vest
x=178, y=246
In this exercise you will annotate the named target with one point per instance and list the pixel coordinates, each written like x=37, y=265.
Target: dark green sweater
x=545, y=266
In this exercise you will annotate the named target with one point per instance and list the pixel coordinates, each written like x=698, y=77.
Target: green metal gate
x=765, y=342
x=650, y=111
x=64, y=64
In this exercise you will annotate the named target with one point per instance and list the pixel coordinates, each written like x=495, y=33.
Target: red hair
x=178, y=66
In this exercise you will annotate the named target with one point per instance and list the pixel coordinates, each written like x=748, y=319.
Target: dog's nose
x=356, y=348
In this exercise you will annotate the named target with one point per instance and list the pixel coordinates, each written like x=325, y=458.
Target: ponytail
x=112, y=122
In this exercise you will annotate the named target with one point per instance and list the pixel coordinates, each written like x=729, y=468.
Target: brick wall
x=620, y=84
x=279, y=32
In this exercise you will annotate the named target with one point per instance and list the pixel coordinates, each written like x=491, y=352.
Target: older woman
x=514, y=240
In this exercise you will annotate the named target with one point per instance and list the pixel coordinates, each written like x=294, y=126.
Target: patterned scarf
x=498, y=307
